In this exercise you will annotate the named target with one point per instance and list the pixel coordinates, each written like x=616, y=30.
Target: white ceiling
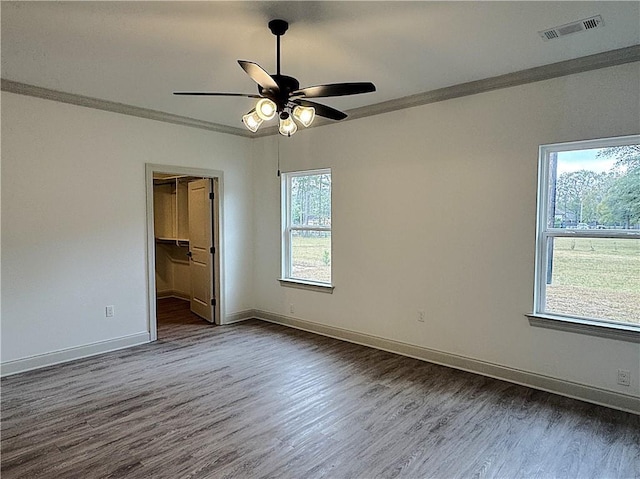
x=139, y=52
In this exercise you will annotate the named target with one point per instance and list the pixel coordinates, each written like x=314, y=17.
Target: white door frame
x=218, y=266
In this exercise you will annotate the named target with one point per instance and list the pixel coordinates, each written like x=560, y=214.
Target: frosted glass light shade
x=266, y=109
x=304, y=115
x=252, y=121
x=287, y=126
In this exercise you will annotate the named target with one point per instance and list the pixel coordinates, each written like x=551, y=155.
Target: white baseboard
x=562, y=387
x=583, y=392
x=173, y=293
x=8, y=368
x=239, y=316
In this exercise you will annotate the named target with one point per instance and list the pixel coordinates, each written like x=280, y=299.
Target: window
x=588, y=233
x=306, y=223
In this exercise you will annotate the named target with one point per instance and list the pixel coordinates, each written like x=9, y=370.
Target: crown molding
x=531, y=75
x=122, y=108
x=522, y=77
x=546, y=72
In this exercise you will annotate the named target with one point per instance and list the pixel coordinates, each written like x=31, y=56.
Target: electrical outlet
x=292, y=310
x=421, y=316
x=109, y=312
x=624, y=377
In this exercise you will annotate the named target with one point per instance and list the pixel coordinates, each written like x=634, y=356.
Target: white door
x=201, y=249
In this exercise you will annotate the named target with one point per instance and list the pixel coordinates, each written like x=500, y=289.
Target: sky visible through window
x=576, y=160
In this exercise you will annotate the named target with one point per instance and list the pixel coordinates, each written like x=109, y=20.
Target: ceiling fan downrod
x=278, y=28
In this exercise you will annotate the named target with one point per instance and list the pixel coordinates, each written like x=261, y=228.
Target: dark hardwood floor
x=256, y=400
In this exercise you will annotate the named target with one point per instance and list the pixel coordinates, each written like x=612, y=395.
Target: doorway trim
x=218, y=266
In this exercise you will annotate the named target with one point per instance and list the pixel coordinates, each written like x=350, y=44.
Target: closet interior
x=184, y=227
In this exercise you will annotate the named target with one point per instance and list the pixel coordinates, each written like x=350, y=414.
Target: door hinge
x=210, y=196
x=213, y=301
x=212, y=250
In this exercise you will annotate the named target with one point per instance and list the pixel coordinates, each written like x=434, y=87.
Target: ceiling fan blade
x=335, y=89
x=259, y=75
x=210, y=93
x=322, y=110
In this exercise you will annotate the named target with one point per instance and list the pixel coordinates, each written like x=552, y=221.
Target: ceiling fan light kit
x=281, y=94
x=287, y=126
x=266, y=109
x=252, y=120
x=304, y=115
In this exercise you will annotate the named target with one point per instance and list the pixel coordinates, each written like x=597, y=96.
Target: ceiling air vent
x=573, y=27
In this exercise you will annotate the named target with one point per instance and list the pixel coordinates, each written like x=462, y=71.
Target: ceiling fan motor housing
x=287, y=86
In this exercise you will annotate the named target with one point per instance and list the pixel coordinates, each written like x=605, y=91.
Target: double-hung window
x=588, y=233
x=306, y=227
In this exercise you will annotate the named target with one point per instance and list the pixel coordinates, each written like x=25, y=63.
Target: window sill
x=584, y=326
x=308, y=285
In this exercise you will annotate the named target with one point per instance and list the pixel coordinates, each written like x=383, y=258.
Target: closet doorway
x=183, y=230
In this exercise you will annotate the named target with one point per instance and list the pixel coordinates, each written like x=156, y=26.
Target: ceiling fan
x=281, y=94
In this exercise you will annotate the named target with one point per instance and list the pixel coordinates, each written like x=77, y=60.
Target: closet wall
x=172, y=271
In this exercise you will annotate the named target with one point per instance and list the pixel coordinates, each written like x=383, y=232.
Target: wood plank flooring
x=258, y=400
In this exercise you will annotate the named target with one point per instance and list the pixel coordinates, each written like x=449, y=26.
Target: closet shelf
x=172, y=240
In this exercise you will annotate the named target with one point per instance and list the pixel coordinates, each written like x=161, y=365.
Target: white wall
x=73, y=220
x=434, y=208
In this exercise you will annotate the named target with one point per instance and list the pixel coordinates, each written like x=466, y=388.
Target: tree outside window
x=588, y=253
x=307, y=226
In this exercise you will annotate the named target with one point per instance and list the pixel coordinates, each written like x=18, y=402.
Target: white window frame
x=287, y=228
x=539, y=317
